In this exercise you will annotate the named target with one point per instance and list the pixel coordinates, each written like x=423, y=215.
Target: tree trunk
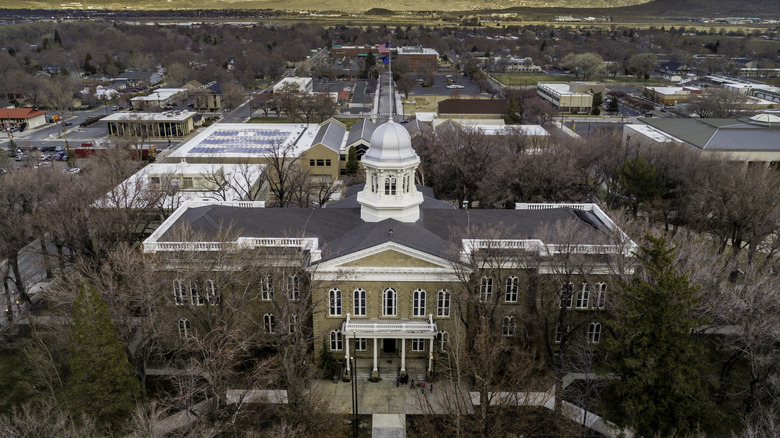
x=19, y=281
x=45, y=253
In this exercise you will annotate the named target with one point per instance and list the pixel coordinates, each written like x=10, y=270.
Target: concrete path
x=388, y=426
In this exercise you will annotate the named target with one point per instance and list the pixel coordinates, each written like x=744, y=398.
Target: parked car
x=45, y=157
x=48, y=149
x=68, y=123
x=115, y=108
x=60, y=149
x=73, y=170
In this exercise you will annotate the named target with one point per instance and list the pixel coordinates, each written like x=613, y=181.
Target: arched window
x=407, y=183
x=179, y=293
x=184, y=329
x=567, y=295
x=594, y=332
x=374, y=183
x=445, y=340
x=267, y=287
x=486, y=289
x=334, y=302
x=293, y=288
x=583, y=296
x=336, y=341
x=418, y=303
x=443, y=304
x=512, y=285
x=601, y=294
x=269, y=321
x=197, y=299
x=359, y=302
x=212, y=293
x=560, y=332
x=291, y=323
x=390, y=185
x=509, y=326
x=389, y=304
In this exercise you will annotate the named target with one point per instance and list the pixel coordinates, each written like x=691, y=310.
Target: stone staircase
x=389, y=368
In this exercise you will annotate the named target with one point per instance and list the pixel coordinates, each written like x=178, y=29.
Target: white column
x=346, y=344
x=376, y=370
x=403, y=355
x=430, y=357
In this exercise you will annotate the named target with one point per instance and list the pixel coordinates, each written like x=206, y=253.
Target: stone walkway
x=385, y=398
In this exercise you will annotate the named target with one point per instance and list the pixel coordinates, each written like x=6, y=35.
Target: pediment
x=390, y=258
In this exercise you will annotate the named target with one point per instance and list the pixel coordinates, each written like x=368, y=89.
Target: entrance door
x=388, y=345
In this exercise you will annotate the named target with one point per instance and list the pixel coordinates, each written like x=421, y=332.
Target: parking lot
x=440, y=87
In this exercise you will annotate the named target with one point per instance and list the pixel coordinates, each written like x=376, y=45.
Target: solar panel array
x=241, y=141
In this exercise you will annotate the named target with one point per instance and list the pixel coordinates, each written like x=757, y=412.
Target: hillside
x=325, y=5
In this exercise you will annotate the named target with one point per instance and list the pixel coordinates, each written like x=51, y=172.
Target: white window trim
x=334, y=302
x=179, y=293
x=594, y=332
x=445, y=339
x=419, y=298
x=443, y=303
x=571, y=295
x=559, y=334
x=359, y=303
x=269, y=323
x=185, y=329
x=583, y=297
x=212, y=293
x=486, y=289
x=336, y=341
x=390, y=292
x=418, y=344
x=508, y=326
x=293, y=287
x=266, y=288
x=512, y=289
x=361, y=344
x=601, y=295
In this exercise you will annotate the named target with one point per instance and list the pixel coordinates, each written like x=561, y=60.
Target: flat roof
x=168, y=116
x=132, y=190
x=416, y=50
x=669, y=90
x=561, y=88
x=160, y=94
x=652, y=133
x=248, y=140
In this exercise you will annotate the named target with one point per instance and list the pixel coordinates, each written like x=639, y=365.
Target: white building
x=305, y=85
x=160, y=98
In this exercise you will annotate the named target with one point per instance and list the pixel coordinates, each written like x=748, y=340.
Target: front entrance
x=388, y=345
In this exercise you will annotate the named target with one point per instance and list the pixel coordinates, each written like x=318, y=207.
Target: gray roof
x=330, y=134
x=719, y=134
x=361, y=130
x=136, y=75
x=340, y=231
x=415, y=126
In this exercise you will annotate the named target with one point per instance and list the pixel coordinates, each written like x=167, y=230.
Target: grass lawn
x=425, y=103
x=518, y=79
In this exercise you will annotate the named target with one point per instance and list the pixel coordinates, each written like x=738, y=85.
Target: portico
x=376, y=329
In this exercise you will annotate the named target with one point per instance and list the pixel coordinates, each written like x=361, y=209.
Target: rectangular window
x=567, y=295
x=594, y=332
x=512, y=285
x=486, y=289
x=559, y=333
x=311, y=163
x=359, y=302
x=361, y=344
x=327, y=163
x=443, y=304
x=320, y=163
x=154, y=180
x=195, y=296
x=267, y=288
x=292, y=321
x=418, y=344
x=583, y=296
x=601, y=295
x=336, y=341
x=293, y=288
x=184, y=329
x=179, y=293
x=186, y=182
x=212, y=293
x=334, y=302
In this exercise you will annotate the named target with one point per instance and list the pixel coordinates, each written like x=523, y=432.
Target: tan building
x=388, y=270
x=669, y=95
x=572, y=97
x=171, y=124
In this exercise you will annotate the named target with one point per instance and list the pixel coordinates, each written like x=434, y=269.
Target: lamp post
x=354, y=392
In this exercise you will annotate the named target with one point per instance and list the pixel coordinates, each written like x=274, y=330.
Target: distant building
x=21, y=118
x=172, y=124
x=670, y=95
x=139, y=79
x=572, y=97
x=159, y=99
x=205, y=97
x=753, y=140
x=525, y=65
x=466, y=108
x=305, y=85
x=418, y=58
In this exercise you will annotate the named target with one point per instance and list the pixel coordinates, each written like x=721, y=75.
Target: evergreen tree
x=655, y=362
x=88, y=67
x=102, y=383
x=353, y=165
x=598, y=99
x=639, y=181
x=57, y=39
